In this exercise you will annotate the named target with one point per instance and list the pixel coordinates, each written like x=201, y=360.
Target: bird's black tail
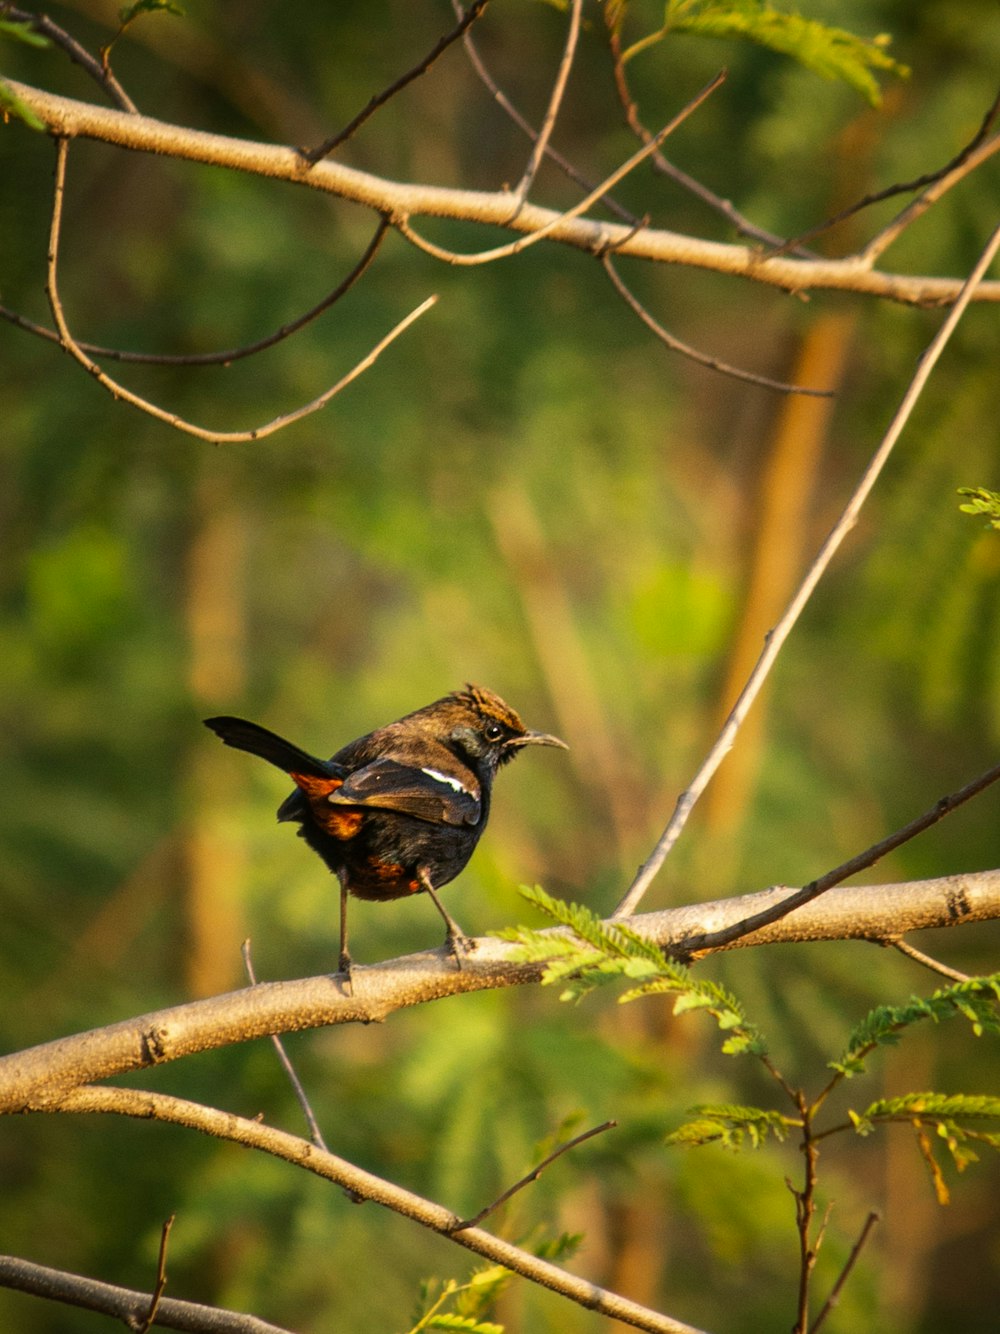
x=244, y=735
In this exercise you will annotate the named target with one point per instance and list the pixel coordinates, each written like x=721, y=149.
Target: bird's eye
x=493, y=731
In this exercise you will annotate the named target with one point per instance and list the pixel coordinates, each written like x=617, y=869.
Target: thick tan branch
x=40, y=1076
x=71, y=119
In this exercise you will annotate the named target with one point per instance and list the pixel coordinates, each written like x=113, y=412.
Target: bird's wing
x=426, y=793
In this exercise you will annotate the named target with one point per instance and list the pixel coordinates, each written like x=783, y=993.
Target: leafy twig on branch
x=775, y=639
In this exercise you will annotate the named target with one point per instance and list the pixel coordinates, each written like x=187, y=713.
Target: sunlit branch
x=702, y=358
x=313, y=155
x=74, y=119
x=560, y=219
x=776, y=638
x=227, y=355
x=118, y=391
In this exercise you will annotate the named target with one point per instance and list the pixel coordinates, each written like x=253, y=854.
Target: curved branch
x=33, y=1079
x=292, y=1149
x=67, y=117
x=118, y=390
x=227, y=355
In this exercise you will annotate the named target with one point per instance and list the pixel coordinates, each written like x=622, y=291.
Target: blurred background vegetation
x=528, y=492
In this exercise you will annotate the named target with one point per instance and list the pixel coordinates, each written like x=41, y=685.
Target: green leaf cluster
x=833, y=53
x=732, y=1126
x=981, y=501
x=592, y=954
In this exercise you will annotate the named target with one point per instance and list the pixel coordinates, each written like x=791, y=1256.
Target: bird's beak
x=537, y=739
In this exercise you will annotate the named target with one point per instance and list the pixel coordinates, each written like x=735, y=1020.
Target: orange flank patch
x=341, y=822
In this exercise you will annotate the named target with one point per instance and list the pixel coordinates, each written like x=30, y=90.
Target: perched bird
x=398, y=811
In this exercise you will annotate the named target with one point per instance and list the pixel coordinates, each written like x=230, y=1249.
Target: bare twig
x=523, y=124
x=41, y=23
x=161, y=1278
x=935, y=965
x=119, y=391
x=125, y=1304
x=842, y=1278
x=702, y=358
x=314, y=155
x=315, y=1134
x=71, y=118
x=228, y=355
x=852, y=866
x=743, y=225
x=560, y=219
x=555, y=102
x=533, y=1175
x=775, y=640
x=254, y=1134
x=963, y=159
x=890, y=233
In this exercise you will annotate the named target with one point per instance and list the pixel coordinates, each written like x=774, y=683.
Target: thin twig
x=228, y=355
x=859, y=862
x=315, y=1134
x=41, y=23
x=725, y=207
x=523, y=124
x=702, y=358
x=314, y=155
x=775, y=640
x=893, y=230
x=935, y=965
x=161, y=1277
x=118, y=391
x=930, y=178
x=533, y=1175
x=842, y=1278
x=532, y=238
x=555, y=102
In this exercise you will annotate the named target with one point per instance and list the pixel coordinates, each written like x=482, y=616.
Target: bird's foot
x=344, y=967
x=459, y=946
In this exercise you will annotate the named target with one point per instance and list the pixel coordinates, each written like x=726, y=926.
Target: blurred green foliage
x=528, y=492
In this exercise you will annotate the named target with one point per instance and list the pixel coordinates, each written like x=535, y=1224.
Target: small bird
x=398, y=811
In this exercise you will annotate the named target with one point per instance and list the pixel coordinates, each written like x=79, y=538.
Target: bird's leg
x=344, y=962
x=457, y=941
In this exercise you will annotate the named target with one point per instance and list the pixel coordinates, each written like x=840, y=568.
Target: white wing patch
x=446, y=778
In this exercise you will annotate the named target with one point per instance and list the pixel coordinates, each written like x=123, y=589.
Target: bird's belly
x=387, y=856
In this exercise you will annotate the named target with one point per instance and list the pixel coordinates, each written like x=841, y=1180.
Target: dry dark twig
x=725, y=207
x=313, y=155
x=315, y=1134
x=161, y=1278
x=702, y=358
x=862, y=860
x=842, y=1278
x=960, y=159
x=41, y=23
x=228, y=355
x=533, y=1175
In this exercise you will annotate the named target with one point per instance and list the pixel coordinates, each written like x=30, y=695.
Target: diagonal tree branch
x=775, y=640
x=292, y=1149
